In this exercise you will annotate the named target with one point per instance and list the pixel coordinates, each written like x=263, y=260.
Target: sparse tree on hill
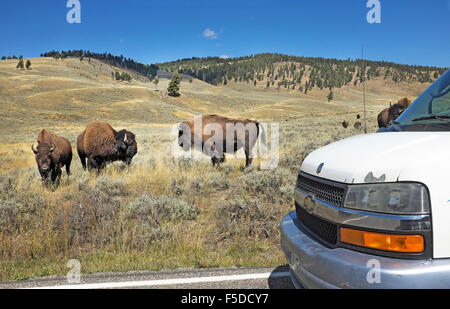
x=330, y=96
x=156, y=82
x=174, y=85
x=190, y=80
x=20, y=64
x=28, y=64
x=254, y=83
x=3, y=58
x=268, y=84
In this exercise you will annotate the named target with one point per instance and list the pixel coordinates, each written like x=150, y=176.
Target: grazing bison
x=345, y=124
x=99, y=143
x=357, y=125
x=52, y=153
x=390, y=114
x=358, y=117
x=243, y=133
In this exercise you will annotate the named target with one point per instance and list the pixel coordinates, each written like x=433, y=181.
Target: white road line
x=130, y=284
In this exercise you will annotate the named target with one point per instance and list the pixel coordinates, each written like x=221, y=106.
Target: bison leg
x=83, y=160
x=92, y=164
x=68, y=168
x=248, y=157
x=56, y=176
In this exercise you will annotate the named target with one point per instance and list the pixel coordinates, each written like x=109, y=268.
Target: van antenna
x=364, y=87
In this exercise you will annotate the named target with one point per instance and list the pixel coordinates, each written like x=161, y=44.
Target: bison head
x=395, y=111
x=43, y=155
x=126, y=146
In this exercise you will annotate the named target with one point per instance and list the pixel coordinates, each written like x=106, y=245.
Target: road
x=217, y=278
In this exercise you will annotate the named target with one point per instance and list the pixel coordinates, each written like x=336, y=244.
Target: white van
x=373, y=211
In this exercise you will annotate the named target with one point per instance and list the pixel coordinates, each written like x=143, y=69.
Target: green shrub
x=242, y=217
x=218, y=181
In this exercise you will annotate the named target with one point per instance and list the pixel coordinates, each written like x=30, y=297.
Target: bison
x=390, y=114
x=99, y=143
x=243, y=133
x=357, y=125
x=393, y=112
x=345, y=124
x=52, y=153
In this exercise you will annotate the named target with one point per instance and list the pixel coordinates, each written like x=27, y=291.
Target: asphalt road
x=217, y=278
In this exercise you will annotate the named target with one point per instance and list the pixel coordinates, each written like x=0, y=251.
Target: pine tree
x=20, y=64
x=330, y=96
x=174, y=85
x=156, y=81
x=28, y=64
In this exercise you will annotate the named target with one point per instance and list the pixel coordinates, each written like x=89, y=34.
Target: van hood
x=381, y=157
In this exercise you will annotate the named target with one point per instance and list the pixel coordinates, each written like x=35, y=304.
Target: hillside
x=70, y=93
x=302, y=73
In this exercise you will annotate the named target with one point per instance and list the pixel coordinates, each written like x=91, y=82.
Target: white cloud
x=210, y=34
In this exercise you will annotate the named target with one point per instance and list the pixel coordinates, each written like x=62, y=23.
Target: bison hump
x=46, y=136
x=99, y=139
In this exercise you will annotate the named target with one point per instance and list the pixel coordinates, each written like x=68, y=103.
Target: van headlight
x=389, y=198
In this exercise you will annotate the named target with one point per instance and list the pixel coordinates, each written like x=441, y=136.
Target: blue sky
x=411, y=31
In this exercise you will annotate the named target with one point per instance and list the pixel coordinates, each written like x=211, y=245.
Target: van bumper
x=313, y=265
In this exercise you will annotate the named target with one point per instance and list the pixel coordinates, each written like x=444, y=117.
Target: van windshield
x=431, y=109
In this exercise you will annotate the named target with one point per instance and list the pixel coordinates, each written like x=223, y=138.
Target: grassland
x=160, y=212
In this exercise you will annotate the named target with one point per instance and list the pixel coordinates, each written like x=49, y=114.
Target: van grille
x=325, y=192
x=324, y=230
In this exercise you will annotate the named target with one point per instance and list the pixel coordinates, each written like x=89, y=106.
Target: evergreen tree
x=330, y=96
x=174, y=85
x=28, y=64
x=156, y=81
x=20, y=64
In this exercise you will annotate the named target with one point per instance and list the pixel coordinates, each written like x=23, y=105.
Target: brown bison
x=357, y=125
x=217, y=132
x=388, y=115
x=52, y=153
x=99, y=143
x=345, y=124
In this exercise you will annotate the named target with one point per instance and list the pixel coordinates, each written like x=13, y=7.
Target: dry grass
x=160, y=212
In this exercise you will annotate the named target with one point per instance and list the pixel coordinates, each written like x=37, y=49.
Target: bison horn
x=125, y=138
x=53, y=147
x=34, y=150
